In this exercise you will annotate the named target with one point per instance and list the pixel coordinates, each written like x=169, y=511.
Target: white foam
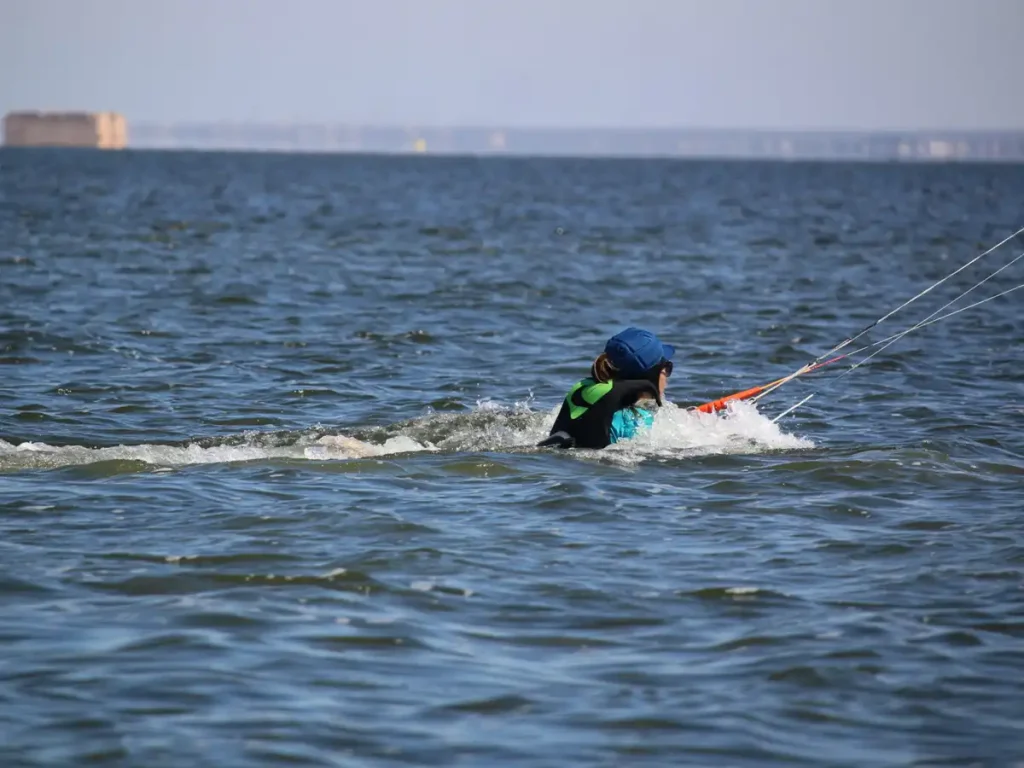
x=676, y=432
x=35, y=455
x=335, y=447
x=679, y=432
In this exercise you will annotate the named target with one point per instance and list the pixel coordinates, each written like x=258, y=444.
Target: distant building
x=100, y=130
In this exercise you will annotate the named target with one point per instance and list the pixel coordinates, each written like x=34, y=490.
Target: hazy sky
x=711, y=63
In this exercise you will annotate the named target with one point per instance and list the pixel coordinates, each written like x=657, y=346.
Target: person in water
x=604, y=408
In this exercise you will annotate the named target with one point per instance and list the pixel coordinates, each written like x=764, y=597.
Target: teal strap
x=627, y=422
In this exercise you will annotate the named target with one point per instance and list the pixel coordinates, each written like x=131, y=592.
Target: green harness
x=584, y=394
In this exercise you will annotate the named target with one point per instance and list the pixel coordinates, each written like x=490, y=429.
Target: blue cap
x=635, y=351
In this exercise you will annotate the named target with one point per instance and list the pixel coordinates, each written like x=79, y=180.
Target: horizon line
x=390, y=126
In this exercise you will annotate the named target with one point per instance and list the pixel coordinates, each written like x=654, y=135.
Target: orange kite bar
x=746, y=394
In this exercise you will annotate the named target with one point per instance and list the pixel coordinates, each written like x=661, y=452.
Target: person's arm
x=627, y=392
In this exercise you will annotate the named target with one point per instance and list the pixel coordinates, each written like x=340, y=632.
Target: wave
x=489, y=427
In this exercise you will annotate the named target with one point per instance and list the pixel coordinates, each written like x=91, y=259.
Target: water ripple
x=269, y=490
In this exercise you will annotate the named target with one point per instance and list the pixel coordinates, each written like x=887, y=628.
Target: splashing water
x=682, y=433
x=676, y=433
x=738, y=429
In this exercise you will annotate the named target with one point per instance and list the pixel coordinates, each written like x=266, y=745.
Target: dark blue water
x=268, y=494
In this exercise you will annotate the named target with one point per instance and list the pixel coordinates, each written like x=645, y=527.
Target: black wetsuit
x=586, y=416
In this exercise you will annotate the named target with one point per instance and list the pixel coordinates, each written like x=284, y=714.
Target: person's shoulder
x=630, y=390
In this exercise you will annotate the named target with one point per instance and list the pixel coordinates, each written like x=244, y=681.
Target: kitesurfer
x=614, y=402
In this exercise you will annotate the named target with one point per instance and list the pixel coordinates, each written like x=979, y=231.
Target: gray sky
x=616, y=63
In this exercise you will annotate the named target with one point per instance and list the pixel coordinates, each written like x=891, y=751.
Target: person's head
x=635, y=353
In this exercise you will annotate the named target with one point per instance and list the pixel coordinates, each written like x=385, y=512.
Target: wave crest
x=676, y=433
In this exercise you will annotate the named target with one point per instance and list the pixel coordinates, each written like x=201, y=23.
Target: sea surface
x=269, y=495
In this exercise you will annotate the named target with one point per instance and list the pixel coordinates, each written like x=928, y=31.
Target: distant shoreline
x=584, y=142
x=78, y=129
x=113, y=131
x=526, y=156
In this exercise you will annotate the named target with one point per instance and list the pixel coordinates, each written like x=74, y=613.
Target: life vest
x=589, y=414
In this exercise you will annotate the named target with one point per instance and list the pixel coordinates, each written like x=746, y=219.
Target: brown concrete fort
x=100, y=130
